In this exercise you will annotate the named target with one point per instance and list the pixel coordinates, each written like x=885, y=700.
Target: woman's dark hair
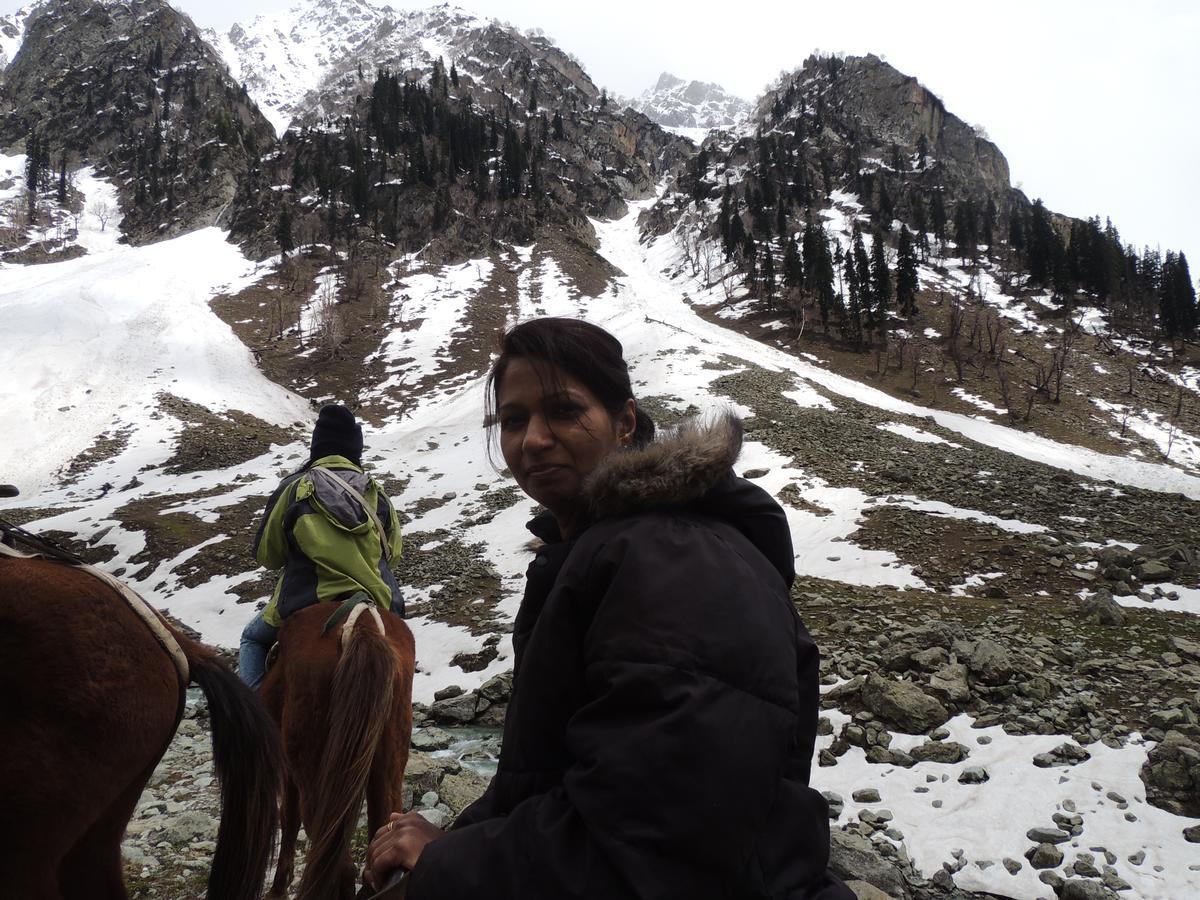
x=586, y=352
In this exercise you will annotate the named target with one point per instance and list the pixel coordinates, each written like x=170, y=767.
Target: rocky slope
x=676, y=103
x=135, y=90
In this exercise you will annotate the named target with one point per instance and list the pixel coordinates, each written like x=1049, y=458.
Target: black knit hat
x=336, y=433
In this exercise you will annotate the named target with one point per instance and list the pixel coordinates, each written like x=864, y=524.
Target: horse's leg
x=289, y=825
x=91, y=870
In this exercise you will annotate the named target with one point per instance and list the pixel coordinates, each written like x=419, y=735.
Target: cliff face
x=134, y=89
x=882, y=106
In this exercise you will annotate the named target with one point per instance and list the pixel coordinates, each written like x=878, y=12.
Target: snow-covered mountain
x=677, y=103
x=308, y=61
x=12, y=32
x=288, y=59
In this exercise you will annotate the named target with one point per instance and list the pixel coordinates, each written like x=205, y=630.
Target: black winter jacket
x=664, y=708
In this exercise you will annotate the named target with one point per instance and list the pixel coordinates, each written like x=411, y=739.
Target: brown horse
x=343, y=699
x=89, y=701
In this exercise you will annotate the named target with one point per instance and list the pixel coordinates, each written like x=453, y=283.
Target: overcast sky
x=1093, y=103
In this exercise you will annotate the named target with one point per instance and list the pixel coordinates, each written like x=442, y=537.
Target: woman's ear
x=627, y=422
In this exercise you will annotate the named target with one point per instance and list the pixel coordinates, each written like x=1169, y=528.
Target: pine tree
x=881, y=279
x=768, y=278
x=453, y=75
x=861, y=262
x=283, y=231
x=907, y=281
x=851, y=324
x=937, y=219
x=966, y=230
x=62, y=180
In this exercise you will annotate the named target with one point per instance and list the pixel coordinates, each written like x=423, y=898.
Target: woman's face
x=553, y=432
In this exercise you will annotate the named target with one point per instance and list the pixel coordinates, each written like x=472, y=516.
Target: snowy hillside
x=134, y=400
x=676, y=103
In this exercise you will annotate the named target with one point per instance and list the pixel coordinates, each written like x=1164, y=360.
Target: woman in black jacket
x=660, y=733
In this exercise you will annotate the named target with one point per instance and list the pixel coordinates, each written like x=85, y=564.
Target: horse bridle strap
x=144, y=610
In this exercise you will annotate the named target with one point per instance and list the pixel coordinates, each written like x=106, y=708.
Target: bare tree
x=103, y=211
x=953, y=333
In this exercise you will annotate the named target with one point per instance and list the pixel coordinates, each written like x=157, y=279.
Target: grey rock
x=950, y=683
x=836, y=803
x=498, y=688
x=1051, y=878
x=1085, y=866
x=1192, y=834
x=991, y=662
x=189, y=825
x=1044, y=856
x=1171, y=774
x=435, y=817
x=940, y=752
x=902, y=704
x=1047, y=835
x=458, y=710
x=852, y=856
x=447, y=693
x=461, y=789
x=866, y=795
x=973, y=775
x=431, y=739
x=1085, y=889
x=1102, y=609
x=1152, y=570
x=1013, y=866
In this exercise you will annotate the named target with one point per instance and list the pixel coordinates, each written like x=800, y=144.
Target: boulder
x=457, y=710
x=991, y=662
x=460, y=790
x=1085, y=889
x=1102, y=609
x=1044, y=856
x=902, y=704
x=950, y=683
x=940, y=752
x=853, y=857
x=1152, y=570
x=1171, y=774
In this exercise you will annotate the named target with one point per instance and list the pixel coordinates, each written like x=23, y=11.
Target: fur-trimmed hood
x=674, y=470
x=691, y=469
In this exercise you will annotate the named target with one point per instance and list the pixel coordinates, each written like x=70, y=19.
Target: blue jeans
x=257, y=638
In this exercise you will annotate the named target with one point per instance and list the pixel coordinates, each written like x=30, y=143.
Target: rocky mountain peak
x=875, y=108
x=132, y=88
x=674, y=102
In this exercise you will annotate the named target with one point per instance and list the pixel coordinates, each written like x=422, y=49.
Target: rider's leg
x=257, y=638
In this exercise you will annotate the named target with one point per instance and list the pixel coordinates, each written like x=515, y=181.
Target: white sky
x=1093, y=103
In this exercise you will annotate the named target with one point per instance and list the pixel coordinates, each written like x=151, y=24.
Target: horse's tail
x=248, y=760
x=360, y=708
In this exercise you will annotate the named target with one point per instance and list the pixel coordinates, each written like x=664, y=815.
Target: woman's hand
x=398, y=844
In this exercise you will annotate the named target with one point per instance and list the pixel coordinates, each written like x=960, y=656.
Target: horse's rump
x=75, y=661
x=343, y=701
x=89, y=700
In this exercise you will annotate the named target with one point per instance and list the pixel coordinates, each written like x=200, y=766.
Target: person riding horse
x=331, y=530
